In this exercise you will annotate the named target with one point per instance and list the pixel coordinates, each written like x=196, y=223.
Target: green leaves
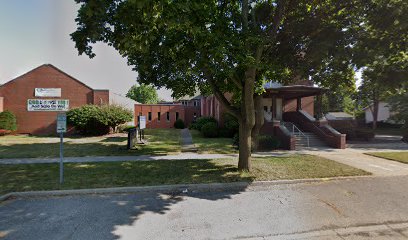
x=96, y=120
x=143, y=93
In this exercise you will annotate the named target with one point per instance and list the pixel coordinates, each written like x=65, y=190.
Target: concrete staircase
x=314, y=141
x=304, y=140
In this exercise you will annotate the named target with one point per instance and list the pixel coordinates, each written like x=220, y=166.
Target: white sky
x=34, y=32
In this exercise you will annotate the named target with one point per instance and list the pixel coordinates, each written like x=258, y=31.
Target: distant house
x=384, y=113
x=289, y=109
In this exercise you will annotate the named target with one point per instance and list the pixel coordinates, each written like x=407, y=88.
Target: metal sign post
x=61, y=128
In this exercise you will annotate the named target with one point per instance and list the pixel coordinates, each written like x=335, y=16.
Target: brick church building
x=37, y=96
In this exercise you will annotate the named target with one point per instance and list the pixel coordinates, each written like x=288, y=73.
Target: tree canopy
x=143, y=93
x=229, y=46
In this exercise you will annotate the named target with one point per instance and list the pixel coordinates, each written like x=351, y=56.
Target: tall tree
x=143, y=93
x=399, y=108
x=382, y=51
x=226, y=46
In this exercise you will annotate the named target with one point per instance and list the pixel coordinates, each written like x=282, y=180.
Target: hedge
x=201, y=121
x=210, y=130
x=98, y=120
x=179, y=124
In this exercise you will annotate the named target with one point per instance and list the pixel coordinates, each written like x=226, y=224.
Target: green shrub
x=267, y=142
x=125, y=128
x=179, y=124
x=8, y=121
x=98, y=120
x=201, y=121
x=210, y=130
x=231, y=125
x=225, y=133
x=235, y=139
x=194, y=126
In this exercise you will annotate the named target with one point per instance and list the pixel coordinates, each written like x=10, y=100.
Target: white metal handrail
x=295, y=130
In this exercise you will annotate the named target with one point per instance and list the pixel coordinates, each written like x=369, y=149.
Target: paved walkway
x=187, y=144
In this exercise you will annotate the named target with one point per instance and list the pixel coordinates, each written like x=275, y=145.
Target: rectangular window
x=168, y=116
x=177, y=116
x=158, y=116
x=149, y=116
x=265, y=108
x=195, y=104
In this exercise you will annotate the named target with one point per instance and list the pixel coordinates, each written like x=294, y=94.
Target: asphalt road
x=364, y=208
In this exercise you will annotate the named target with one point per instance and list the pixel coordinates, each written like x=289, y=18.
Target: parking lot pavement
x=361, y=208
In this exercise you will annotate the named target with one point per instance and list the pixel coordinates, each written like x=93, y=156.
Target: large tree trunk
x=244, y=163
x=247, y=120
x=259, y=121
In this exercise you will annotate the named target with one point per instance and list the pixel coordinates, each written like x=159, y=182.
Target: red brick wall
x=307, y=105
x=1, y=104
x=100, y=97
x=17, y=91
x=144, y=109
x=189, y=114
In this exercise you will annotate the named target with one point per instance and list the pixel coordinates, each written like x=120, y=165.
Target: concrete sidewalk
x=354, y=157
x=187, y=144
x=375, y=165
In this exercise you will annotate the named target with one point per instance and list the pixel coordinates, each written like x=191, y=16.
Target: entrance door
x=278, y=108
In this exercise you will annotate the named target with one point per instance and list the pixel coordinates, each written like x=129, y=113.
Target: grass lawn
x=160, y=141
x=119, y=174
x=212, y=145
x=395, y=156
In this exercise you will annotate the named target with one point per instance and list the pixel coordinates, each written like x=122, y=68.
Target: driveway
x=362, y=208
x=354, y=155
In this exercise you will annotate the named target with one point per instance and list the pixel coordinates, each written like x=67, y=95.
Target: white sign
x=142, y=122
x=47, y=92
x=61, y=123
x=47, y=105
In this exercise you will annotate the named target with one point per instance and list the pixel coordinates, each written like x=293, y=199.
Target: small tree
x=143, y=93
x=8, y=121
x=114, y=115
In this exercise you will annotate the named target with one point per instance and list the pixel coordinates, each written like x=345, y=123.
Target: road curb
x=173, y=189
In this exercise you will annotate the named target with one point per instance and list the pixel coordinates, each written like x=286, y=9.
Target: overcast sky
x=34, y=32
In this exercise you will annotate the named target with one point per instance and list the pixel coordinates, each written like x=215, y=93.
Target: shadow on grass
x=114, y=139
x=113, y=211
x=107, y=147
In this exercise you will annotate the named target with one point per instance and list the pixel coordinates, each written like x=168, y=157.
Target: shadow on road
x=101, y=215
